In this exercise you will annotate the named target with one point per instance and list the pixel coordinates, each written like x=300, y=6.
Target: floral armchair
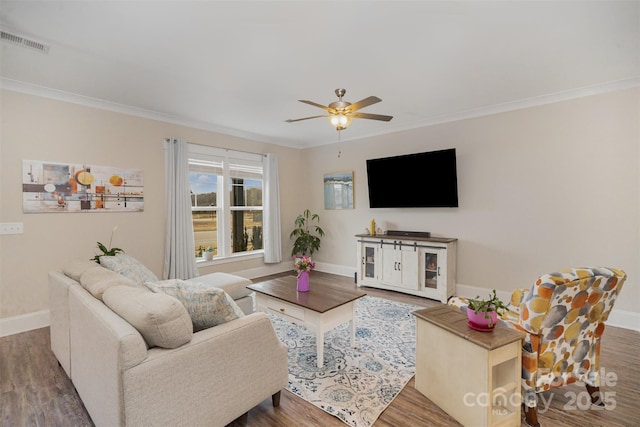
x=563, y=317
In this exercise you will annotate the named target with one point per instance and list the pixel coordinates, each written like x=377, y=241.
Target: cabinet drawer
x=282, y=307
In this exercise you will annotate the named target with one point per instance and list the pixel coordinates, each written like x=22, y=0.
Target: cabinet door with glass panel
x=369, y=263
x=433, y=270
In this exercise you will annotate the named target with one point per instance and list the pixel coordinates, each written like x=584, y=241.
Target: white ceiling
x=239, y=67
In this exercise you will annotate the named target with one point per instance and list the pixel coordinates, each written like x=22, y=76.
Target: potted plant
x=306, y=242
x=208, y=253
x=107, y=251
x=483, y=313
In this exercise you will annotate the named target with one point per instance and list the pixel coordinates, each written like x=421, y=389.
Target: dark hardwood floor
x=35, y=391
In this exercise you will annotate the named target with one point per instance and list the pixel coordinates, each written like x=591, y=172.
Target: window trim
x=223, y=208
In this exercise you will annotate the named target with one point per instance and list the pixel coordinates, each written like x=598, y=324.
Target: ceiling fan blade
x=305, y=118
x=315, y=104
x=364, y=103
x=372, y=116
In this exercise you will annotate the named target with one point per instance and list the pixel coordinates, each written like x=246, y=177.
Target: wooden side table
x=473, y=376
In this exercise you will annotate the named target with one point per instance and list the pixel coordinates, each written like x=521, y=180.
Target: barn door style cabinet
x=409, y=262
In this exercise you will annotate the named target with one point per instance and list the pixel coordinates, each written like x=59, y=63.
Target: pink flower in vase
x=303, y=264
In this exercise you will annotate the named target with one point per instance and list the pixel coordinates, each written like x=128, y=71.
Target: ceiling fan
x=341, y=112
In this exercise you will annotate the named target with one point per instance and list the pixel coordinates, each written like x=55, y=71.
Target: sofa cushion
x=233, y=285
x=129, y=267
x=207, y=305
x=161, y=319
x=76, y=267
x=98, y=279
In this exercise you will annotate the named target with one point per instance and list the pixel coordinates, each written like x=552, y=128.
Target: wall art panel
x=68, y=187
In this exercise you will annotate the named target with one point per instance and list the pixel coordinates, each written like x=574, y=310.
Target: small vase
x=303, y=281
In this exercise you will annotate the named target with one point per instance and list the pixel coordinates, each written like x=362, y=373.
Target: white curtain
x=271, y=210
x=179, y=256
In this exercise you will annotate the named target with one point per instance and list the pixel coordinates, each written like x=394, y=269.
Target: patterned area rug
x=354, y=384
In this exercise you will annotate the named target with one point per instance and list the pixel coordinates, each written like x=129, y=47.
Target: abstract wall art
x=70, y=187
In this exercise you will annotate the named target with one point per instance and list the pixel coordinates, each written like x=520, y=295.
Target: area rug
x=354, y=384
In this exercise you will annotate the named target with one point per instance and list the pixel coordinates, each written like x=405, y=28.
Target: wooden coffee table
x=322, y=308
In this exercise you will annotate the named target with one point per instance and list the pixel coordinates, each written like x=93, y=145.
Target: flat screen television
x=421, y=180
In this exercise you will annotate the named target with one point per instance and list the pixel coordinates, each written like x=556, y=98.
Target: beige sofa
x=220, y=374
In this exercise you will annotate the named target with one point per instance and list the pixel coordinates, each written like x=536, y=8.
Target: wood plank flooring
x=35, y=391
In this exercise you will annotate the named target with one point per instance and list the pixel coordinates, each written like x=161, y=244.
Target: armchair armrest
x=512, y=315
x=517, y=297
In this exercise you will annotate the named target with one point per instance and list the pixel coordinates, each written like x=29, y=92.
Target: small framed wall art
x=338, y=190
x=68, y=187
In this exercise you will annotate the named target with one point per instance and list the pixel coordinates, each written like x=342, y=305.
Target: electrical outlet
x=12, y=228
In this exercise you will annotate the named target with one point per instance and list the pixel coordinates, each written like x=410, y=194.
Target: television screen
x=421, y=180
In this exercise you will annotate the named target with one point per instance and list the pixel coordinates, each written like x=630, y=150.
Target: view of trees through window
x=242, y=218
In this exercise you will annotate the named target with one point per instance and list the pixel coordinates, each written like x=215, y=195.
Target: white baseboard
x=619, y=318
x=624, y=319
x=24, y=323
x=339, y=270
x=266, y=270
x=283, y=267
x=468, y=291
x=40, y=319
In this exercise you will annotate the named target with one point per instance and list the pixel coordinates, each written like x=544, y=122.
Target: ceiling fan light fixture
x=340, y=121
x=341, y=113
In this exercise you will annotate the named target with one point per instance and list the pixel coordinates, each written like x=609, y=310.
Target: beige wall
x=35, y=128
x=540, y=189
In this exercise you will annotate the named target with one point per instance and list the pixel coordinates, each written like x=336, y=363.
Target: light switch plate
x=12, y=228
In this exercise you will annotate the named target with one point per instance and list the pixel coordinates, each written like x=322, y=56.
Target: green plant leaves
x=305, y=241
x=486, y=305
x=106, y=252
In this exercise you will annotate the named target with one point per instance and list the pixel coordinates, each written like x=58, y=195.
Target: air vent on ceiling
x=31, y=44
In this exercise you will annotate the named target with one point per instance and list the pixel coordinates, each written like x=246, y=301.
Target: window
x=226, y=201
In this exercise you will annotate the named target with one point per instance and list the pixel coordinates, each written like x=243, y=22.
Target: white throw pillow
x=76, y=267
x=207, y=305
x=98, y=279
x=129, y=267
x=161, y=320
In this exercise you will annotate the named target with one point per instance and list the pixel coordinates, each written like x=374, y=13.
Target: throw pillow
x=129, y=267
x=76, y=267
x=96, y=280
x=207, y=305
x=161, y=320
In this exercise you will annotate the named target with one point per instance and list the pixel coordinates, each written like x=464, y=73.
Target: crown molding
x=100, y=104
x=536, y=101
x=45, y=92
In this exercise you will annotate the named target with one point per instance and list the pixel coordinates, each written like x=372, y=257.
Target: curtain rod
x=219, y=148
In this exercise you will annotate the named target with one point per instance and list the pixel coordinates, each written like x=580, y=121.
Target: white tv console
x=409, y=263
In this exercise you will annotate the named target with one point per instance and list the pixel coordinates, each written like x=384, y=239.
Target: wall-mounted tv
x=421, y=180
